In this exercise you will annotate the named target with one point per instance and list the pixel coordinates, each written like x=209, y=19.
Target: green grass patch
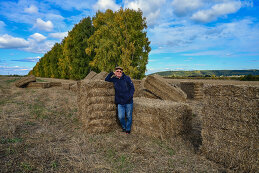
x=10, y=140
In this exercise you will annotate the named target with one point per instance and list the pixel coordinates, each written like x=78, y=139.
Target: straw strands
x=38, y=85
x=194, y=90
x=231, y=126
x=162, y=117
x=25, y=80
x=159, y=87
x=96, y=105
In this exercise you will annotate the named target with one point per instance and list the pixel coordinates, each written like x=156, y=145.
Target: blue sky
x=184, y=34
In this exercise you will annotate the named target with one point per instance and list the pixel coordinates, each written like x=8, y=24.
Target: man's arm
x=131, y=87
x=109, y=77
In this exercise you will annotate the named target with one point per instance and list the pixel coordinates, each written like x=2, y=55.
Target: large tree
x=119, y=39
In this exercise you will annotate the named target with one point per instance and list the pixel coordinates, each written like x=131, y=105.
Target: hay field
x=40, y=131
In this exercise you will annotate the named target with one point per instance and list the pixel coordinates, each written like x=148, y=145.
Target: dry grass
x=40, y=132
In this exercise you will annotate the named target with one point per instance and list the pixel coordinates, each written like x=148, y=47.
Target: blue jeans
x=122, y=110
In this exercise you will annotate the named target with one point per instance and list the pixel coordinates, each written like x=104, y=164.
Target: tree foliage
x=111, y=39
x=119, y=39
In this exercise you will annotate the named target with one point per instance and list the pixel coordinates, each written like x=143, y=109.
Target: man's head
x=118, y=71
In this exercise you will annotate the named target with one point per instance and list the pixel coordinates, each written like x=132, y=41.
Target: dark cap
x=118, y=67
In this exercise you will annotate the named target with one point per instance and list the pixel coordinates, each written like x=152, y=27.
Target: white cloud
x=58, y=35
x=9, y=42
x=184, y=7
x=106, y=4
x=216, y=11
x=42, y=25
x=150, y=8
x=38, y=37
x=32, y=9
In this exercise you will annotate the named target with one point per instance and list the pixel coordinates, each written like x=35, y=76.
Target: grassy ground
x=41, y=132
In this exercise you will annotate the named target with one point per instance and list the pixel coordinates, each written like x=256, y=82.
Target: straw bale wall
x=38, y=85
x=231, y=126
x=161, y=118
x=194, y=90
x=159, y=87
x=96, y=105
x=25, y=81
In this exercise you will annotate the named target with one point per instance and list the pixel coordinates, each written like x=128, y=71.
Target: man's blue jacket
x=124, y=88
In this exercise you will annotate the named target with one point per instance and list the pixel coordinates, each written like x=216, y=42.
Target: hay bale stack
x=161, y=118
x=90, y=75
x=138, y=87
x=231, y=126
x=96, y=106
x=194, y=90
x=38, y=85
x=100, y=76
x=55, y=84
x=66, y=86
x=25, y=80
x=159, y=87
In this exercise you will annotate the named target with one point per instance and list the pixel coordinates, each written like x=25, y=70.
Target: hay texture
x=100, y=76
x=90, y=75
x=55, y=84
x=194, y=90
x=66, y=86
x=161, y=118
x=73, y=87
x=25, y=80
x=96, y=105
x=38, y=85
x=159, y=87
x=230, y=124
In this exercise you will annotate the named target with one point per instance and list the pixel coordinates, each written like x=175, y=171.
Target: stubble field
x=40, y=131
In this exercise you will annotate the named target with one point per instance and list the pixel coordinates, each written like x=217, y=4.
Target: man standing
x=124, y=90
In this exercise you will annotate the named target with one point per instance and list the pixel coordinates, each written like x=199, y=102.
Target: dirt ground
x=40, y=131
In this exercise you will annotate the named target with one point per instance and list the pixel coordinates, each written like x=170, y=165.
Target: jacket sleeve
x=109, y=77
x=131, y=87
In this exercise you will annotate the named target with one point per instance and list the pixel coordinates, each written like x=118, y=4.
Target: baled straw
x=25, y=80
x=159, y=87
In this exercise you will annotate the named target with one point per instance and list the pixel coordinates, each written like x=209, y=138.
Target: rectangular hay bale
x=25, y=81
x=159, y=87
x=230, y=130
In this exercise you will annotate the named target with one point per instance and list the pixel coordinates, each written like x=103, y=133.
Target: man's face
x=118, y=73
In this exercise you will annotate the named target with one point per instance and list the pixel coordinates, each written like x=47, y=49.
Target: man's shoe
x=127, y=132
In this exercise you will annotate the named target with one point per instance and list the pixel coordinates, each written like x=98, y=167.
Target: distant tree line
x=107, y=40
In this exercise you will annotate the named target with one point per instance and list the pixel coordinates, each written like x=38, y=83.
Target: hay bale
x=73, y=87
x=66, y=86
x=194, y=90
x=25, y=80
x=90, y=75
x=38, y=85
x=100, y=76
x=96, y=105
x=147, y=94
x=159, y=87
x=164, y=118
x=230, y=126
x=55, y=84
x=138, y=87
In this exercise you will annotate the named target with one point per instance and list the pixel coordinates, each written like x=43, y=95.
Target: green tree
x=119, y=39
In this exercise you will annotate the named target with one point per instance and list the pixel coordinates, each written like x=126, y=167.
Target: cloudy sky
x=184, y=34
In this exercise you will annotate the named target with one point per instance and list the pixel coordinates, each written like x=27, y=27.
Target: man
x=124, y=90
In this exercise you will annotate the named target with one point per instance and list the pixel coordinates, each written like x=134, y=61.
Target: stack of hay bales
x=100, y=76
x=23, y=82
x=194, y=90
x=161, y=118
x=231, y=126
x=90, y=75
x=38, y=85
x=160, y=88
x=96, y=105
